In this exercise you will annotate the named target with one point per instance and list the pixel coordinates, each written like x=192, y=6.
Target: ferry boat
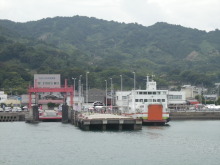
x=150, y=105
x=50, y=115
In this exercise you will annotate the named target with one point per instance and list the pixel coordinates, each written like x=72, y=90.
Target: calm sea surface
x=54, y=143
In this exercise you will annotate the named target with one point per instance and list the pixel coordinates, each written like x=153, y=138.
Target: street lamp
x=106, y=90
x=134, y=80
x=87, y=87
x=74, y=80
x=121, y=82
x=79, y=90
x=111, y=94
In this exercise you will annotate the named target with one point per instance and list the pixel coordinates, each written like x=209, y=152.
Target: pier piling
x=65, y=114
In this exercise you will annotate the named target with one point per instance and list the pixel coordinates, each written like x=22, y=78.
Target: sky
x=199, y=14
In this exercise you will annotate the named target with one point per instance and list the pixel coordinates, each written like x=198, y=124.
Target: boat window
x=154, y=100
x=158, y=100
x=163, y=100
x=158, y=93
x=145, y=93
x=141, y=100
x=154, y=93
x=149, y=100
x=150, y=93
x=145, y=100
x=140, y=93
x=136, y=100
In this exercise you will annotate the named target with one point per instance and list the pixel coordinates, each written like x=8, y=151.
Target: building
x=3, y=97
x=176, y=97
x=96, y=95
x=190, y=91
x=176, y=100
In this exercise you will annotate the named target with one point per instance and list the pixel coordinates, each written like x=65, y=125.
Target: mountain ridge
x=65, y=44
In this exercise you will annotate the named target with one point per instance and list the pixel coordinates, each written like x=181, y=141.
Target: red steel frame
x=66, y=89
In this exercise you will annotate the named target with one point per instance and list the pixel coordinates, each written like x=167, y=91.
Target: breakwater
x=195, y=115
x=12, y=116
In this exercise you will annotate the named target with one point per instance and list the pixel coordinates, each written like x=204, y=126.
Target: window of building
x=145, y=93
x=163, y=100
x=145, y=100
x=136, y=100
x=141, y=100
x=158, y=100
x=175, y=97
x=149, y=93
x=124, y=97
x=154, y=100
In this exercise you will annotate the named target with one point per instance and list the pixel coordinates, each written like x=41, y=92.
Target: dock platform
x=88, y=121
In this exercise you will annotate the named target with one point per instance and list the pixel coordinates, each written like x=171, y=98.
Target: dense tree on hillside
x=73, y=45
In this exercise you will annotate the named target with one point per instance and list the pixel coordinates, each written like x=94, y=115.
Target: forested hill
x=73, y=45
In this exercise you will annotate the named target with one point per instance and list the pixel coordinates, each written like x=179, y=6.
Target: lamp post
x=111, y=94
x=74, y=87
x=121, y=82
x=134, y=80
x=106, y=90
x=87, y=87
x=79, y=90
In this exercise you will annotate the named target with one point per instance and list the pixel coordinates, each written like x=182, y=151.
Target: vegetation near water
x=71, y=46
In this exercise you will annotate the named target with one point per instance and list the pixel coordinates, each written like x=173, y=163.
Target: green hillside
x=73, y=45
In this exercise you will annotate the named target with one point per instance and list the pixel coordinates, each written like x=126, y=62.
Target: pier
x=87, y=121
x=91, y=121
x=12, y=116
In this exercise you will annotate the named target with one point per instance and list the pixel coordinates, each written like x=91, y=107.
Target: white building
x=122, y=99
x=3, y=97
x=190, y=91
x=176, y=97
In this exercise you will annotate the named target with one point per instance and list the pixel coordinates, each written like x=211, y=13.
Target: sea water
x=53, y=143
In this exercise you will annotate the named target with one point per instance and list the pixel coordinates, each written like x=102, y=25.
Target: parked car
x=7, y=109
x=1, y=110
x=19, y=109
x=14, y=109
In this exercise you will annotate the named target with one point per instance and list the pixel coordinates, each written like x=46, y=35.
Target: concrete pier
x=106, y=122
x=33, y=116
x=65, y=114
x=12, y=116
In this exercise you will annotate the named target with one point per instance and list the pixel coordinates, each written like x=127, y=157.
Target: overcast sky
x=199, y=14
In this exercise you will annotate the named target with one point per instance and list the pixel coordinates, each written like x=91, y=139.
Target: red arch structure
x=66, y=89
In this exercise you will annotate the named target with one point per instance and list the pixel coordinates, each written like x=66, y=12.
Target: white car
x=1, y=110
x=19, y=109
x=14, y=109
x=7, y=109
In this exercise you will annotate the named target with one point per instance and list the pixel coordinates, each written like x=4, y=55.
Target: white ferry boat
x=150, y=105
